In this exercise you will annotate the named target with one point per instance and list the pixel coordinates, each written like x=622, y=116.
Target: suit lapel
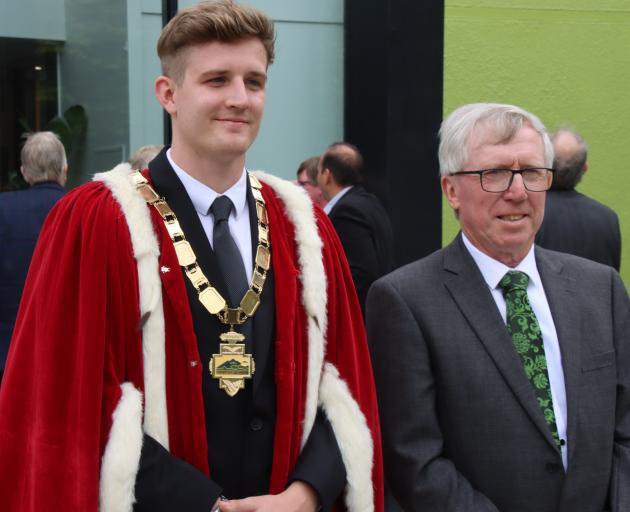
x=560, y=291
x=470, y=292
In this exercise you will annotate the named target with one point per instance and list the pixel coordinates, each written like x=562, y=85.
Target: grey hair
x=503, y=122
x=43, y=158
x=569, y=168
x=143, y=155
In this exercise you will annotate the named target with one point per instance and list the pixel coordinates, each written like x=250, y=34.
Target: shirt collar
x=335, y=199
x=493, y=270
x=203, y=196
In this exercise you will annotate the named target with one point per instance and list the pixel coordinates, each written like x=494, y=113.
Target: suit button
x=256, y=424
x=552, y=467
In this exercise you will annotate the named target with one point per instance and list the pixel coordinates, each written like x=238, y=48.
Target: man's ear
x=450, y=191
x=24, y=175
x=165, y=92
x=327, y=175
x=64, y=175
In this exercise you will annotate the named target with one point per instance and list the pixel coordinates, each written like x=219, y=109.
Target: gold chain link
x=209, y=296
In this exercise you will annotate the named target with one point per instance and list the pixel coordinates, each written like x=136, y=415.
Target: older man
x=503, y=369
x=307, y=179
x=22, y=213
x=574, y=222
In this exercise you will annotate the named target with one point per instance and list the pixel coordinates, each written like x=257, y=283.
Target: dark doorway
x=393, y=110
x=28, y=98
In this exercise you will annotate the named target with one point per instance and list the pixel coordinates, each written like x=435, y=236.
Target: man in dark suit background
x=358, y=216
x=22, y=214
x=502, y=369
x=575, y=223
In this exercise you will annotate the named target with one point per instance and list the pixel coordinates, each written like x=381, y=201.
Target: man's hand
x=298, y=497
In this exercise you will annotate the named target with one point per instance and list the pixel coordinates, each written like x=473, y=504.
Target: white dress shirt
x=203, y=196
x=335, y=199
x=492, y=272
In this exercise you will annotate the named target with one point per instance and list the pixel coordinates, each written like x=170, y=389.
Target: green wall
x=568, y=61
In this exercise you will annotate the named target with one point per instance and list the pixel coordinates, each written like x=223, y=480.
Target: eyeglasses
x=535, y=179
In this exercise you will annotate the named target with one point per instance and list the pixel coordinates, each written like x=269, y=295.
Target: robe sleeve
x=348, y=371
x=76, y=332
x=320, y=463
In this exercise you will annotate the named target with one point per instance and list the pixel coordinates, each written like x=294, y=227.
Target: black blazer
x=22, y=214
x=579, y=225
x=365, y=232
x=240, y=429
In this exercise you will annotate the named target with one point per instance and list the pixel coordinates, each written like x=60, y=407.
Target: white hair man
x=508, y=385
x=22, y=214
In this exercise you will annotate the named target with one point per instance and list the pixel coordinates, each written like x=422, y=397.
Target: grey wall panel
x=31, y=19
x=144, y=21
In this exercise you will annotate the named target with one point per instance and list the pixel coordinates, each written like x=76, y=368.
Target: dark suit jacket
x=366, y=235
x=579, y=225
x=240, y=446
x=22, y=214
x=461, y=427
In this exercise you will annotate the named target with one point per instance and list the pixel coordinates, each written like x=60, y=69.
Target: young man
x=191, y=331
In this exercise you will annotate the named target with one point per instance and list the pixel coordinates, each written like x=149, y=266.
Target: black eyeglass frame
x=481, y=172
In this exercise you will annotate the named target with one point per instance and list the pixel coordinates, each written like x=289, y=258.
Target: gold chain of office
x=231, y=366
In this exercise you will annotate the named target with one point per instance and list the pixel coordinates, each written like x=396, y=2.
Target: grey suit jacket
x=461, y=427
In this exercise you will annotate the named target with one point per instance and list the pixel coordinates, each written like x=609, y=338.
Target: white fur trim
x=353, y=437
x=122, y=453
x=326, y=388
x=146, y=252
x=299, y=210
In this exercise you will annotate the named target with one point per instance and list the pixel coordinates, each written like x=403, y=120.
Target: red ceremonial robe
x=105, y=324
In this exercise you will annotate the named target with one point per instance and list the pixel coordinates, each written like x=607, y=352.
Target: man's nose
x=237, y=94
x=517, y=186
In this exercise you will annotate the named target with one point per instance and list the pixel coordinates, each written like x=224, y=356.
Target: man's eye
x=495, y=174
x=254, y=83
x=216, y=80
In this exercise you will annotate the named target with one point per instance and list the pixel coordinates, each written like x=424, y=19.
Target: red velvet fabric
x=77, y=340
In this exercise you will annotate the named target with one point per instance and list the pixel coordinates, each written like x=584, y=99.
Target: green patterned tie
x=527, y=338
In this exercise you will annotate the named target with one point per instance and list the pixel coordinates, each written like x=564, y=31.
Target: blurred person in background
x=140, y=159
x=575, y=223
x=307, y=179
x=358, y=216
x=22, y=213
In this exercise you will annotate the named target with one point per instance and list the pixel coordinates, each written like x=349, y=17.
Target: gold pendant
x=232, y=365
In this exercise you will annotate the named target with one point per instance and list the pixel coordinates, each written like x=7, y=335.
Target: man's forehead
x=250, y=49
x=484, y=135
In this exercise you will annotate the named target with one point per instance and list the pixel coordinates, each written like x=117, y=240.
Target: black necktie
x=226, y=251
